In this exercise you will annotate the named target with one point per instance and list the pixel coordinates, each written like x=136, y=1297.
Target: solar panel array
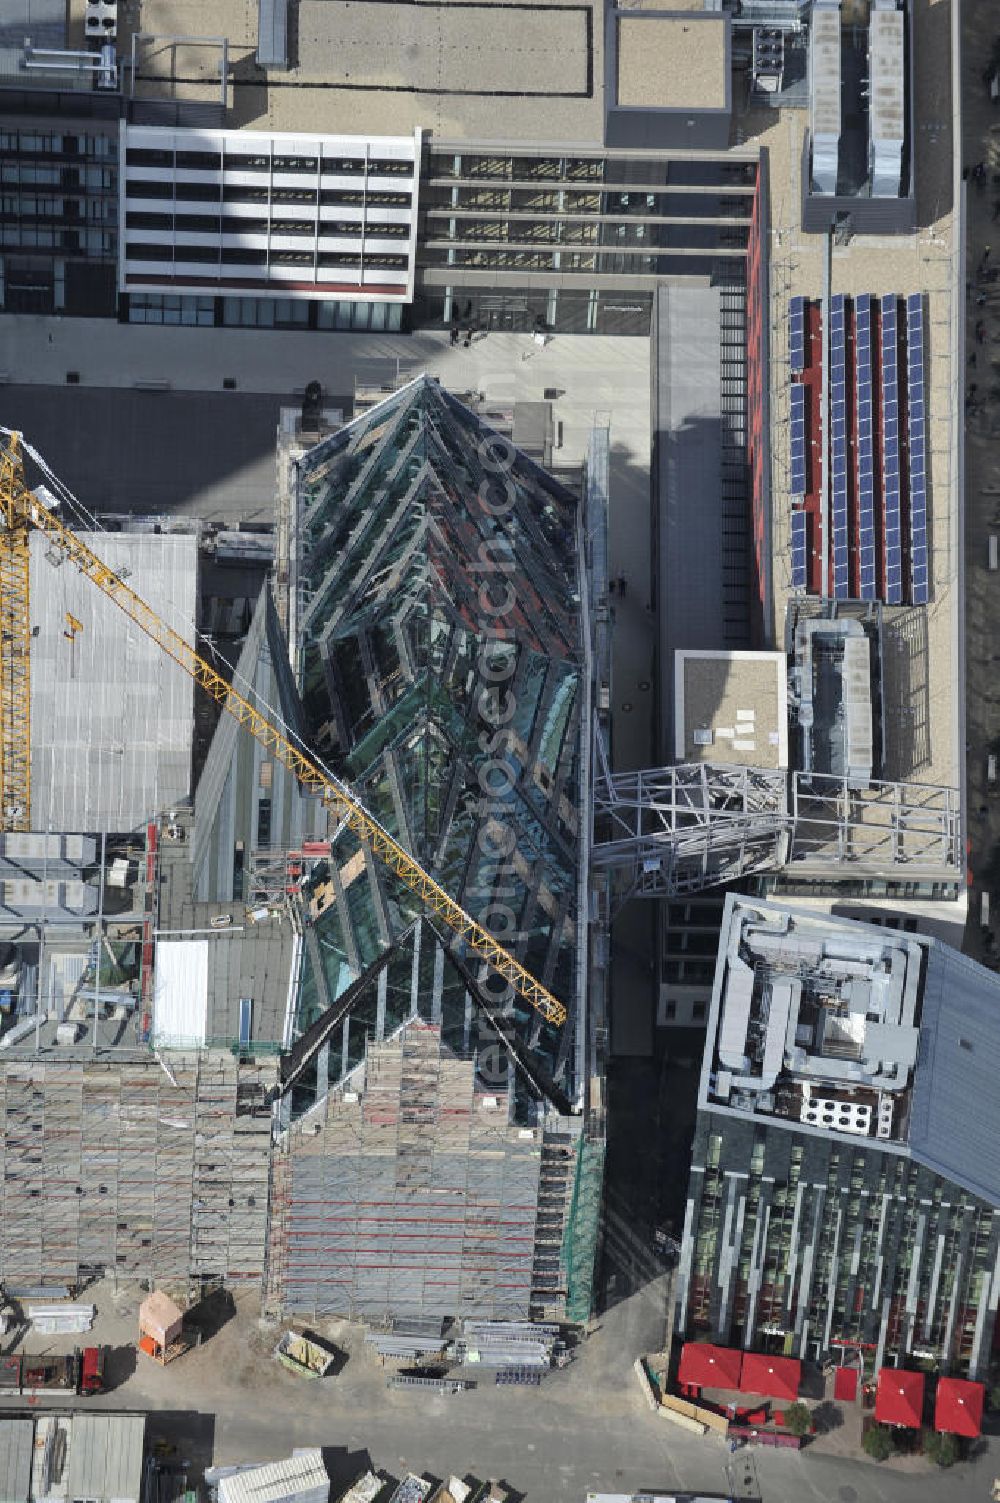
x=798, y=440
x=800, y=563
x=838, y=433
x=866, y=452
x=797, y=335
x=916, y=447
x=893, y=539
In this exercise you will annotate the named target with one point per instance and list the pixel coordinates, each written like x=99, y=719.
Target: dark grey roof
x=955, y=1109
x=230, y=788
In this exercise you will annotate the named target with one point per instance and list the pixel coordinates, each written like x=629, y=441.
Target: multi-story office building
x=333, y=198
x=842, y=1189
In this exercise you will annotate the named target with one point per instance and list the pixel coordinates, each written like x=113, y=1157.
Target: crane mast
x=23, y=510
x=15, y=645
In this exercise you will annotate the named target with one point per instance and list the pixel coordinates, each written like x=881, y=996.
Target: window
x=670, y=1011
x=200, y=159
x=698, y=1012
x=157, y=308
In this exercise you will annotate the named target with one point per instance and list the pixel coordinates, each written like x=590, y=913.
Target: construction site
x=247, y=1039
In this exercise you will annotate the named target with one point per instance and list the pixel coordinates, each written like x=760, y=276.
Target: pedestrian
x=612, y=586
x=467, y=341
x=622, y=585
x=996, y=208
x=972, y=359
x=454, y=334
x=980, y=331
x=986, y=254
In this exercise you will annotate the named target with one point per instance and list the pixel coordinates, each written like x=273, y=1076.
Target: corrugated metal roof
x=303, y=1473
x=955, y=1108
x=105, y=1456
x=16, y=1441
x=112, y=716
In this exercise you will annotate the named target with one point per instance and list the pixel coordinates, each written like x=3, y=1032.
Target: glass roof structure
x=443, y=675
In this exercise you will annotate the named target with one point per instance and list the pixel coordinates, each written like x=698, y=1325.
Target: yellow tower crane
x=23, y=510
x=15, y=646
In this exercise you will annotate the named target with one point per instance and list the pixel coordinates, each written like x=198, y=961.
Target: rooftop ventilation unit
x=887, y=108
x=100, y=20
x=824, y=88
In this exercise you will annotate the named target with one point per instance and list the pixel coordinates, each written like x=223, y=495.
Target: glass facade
x=604, y=226
x=442, y=674
x=208, y=311
x=801, y=1242
x=58, y=219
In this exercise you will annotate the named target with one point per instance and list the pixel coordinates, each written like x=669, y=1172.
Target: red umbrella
x=710, y=1366
x=899, y=1397
x=774, y=1377
x=958, y=1407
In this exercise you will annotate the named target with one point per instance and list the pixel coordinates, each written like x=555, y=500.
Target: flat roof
x=927, y=262
x=814, y=1022
x=387, y=68
x=112, y=716
x=670, y=61
x=731, y=707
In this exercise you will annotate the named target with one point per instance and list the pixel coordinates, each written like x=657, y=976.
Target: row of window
x=214, y=161
x=261, y=313
x=229, y=256
x=212, y=225
x=78, y=144
x=710, y=173
x=99, y=243
x=235, y=193
x=51, y=175
x=29, y=206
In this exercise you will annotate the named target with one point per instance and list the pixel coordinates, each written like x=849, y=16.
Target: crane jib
x=21, y=510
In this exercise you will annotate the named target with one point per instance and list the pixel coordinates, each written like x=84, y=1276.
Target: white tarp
x=180, y=992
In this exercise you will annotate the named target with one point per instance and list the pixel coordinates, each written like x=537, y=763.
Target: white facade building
x=273, y=215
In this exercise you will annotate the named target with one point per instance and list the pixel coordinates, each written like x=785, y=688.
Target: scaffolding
x=408, y=1192
x=579, y=1250
x=692, y=826
x=133, y=1169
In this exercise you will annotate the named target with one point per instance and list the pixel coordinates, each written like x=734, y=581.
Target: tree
x=877, y=1443
x=943, y=1448
x=798, y=1419
x=930, y=1444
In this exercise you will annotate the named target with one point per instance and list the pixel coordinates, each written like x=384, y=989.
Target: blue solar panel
x=838, y=433
x=892, y=535
x=800, y=559
x=798, y=440
x=797, y=334
x=865, y=446
x=916, y=449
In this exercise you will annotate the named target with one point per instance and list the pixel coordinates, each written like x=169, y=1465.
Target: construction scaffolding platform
x=409, y=1192
x=144, y=1170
